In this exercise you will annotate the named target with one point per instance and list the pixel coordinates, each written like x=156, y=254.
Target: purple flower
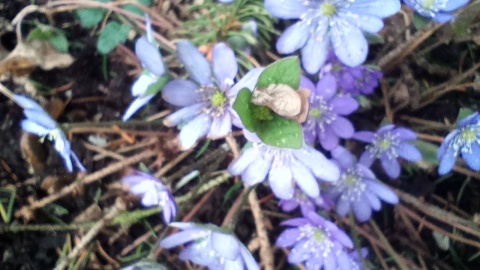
x=153, y=67
x=210, y=246
x=388, y=144
x=206, y=99
x=438, y=10
x=330, y=23
x=355, y=260
x=325, y=120
x=153, y=193
x=359, y=80
x=40, y=123
x=284, y=168
x=465, y=139
x=307, y=204
x=357, y=190
x=317, y=242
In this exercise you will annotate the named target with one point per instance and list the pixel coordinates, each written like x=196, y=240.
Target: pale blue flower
x=153, y=193
x=153, y=67
x=388, y=144
x=210, y=246
x=207, y=98
x=40, y=123
x=357, y=190
x=325, y=24
x=284, y=168
x=464, y=140
x=438, y=10
x=316, y=242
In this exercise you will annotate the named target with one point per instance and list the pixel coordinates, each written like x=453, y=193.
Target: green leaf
x=156, y=87
x=90, y=17
x=243, y=107
x=284, y=71
x=463, y=112
x=428, y=150
x=280, y=132
x=39, y=33
x=132, y=8
x=111, y=36
x=60, y=42
x=420, y=22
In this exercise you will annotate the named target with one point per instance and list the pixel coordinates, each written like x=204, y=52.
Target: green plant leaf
x=243, y=107
x=156, y=87
x=38, y=33
x=132, y=8
x=280, y=132
x=428, y=150
x=60, y=42
x=111, y=36
x=284, y=71
x=90, y=17
x=463, y=112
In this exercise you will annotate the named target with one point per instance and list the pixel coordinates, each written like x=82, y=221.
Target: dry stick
x=173, y=163
x=26, y=210
x=439, y=214
x=438, y=229
x=103, y=151
x=266, y=251
x=114, y=211
x=386, y=100
x=388, y=247
x=380, y=257
x=391, y=59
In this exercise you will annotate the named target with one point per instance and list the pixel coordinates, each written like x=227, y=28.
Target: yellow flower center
x=315, y=113
x=218, y=99
x=328, y=9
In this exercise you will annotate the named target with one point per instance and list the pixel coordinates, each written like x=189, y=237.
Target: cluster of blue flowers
x=330, y=35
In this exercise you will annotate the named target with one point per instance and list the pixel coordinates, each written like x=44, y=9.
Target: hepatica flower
x=153, y=193
x=325, y=24
x=210, y=246
x=208, y=97
x=284, y=168
x=438, y=10
x=464, y=140
x=359, y=80
x=40, y=123
x=306, y=203
x=357, y=189
x=325, y=120
x=388, y=144
x=317, y=242
x=153, y=67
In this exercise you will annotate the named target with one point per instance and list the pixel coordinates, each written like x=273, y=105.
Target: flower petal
x=248, y=259
x=135, y=106
x=288, y=237
x=281, y=181
x=141, y=85
x=304, y=179
x=377, y=8
x=321, y=167
x=342, y=127
x=221, y=126
x=409, y=152
x=314, y=53
x=241, y=163
x=183, y=114
x=286, y=9
x=452, y=5
x=195, y=63
x=194, y=130
x=472, y=157
x=349, y=44
x=27, y=103
x=181, y=92
x=344, y=105
x=149, y=56
x=224, y=65
x=41, y=118
x=226, y=245
x=361, y=208
x=248, y=81
x=367, y=23
x=183, y=237
x=381, y=190
x=366, y=159
x=256, y=171
x=34, y=128
x=343, y=206
x=364, y=136
x=326, y=86
x=404, y=133
x=293, y=38
x=447, y=161
x=390, y=165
